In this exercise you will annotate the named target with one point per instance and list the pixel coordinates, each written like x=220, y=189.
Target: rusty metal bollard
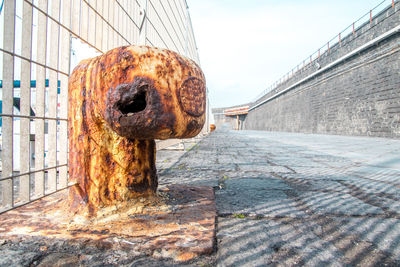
x=212, y=127
x=119, y=103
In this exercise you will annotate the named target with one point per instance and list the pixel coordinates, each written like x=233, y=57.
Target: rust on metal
x=212, y=127
x=119, y=103
x=179, y=221
x=190, y=96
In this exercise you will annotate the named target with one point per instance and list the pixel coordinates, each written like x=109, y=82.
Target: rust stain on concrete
x=178, y=223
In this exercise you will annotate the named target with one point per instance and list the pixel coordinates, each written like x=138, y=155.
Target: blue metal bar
x=17, y=84
x=1, y=7
x=16, y=100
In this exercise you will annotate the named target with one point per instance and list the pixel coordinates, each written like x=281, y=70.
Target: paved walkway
x=296, y=199
x=283, y=200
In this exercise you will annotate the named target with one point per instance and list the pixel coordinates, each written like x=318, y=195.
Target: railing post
x=7, y=155
x=143, y=22
x=354, y=32
x=340, y=39
x=53, y=97
x=40, y=102
x=25, y=102
x=370, y=16
x=187, y=31
x=63, y=111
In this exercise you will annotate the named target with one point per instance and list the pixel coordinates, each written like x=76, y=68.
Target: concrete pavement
x=297, y=199
x=283, y=199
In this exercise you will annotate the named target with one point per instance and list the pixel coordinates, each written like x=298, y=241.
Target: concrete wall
x=358, y=96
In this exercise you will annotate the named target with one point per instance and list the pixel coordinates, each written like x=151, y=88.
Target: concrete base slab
x=179, y=223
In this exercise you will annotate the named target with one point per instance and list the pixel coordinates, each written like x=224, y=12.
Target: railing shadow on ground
x=353, y=221
x=315, y=238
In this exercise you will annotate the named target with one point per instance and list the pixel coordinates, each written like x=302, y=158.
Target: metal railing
x=337, y=40
x=35, y=62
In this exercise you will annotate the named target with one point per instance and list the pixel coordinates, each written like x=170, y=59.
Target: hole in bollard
x=135, y=104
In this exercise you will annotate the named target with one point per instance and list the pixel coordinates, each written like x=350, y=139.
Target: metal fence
x=352, y=29
x=36, y=58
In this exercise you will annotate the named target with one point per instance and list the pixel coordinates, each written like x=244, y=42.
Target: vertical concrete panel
x=84, y=20
x=53, y=99
x=75, y=16
x=65, y=41
x=25, y=101
x=110, y=39
x=40, y=99
x=8, y=91
x=99, y=26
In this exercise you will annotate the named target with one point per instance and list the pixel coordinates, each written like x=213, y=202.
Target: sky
x=246, y=45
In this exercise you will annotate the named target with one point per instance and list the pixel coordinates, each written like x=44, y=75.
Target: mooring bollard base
x=178, y=223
